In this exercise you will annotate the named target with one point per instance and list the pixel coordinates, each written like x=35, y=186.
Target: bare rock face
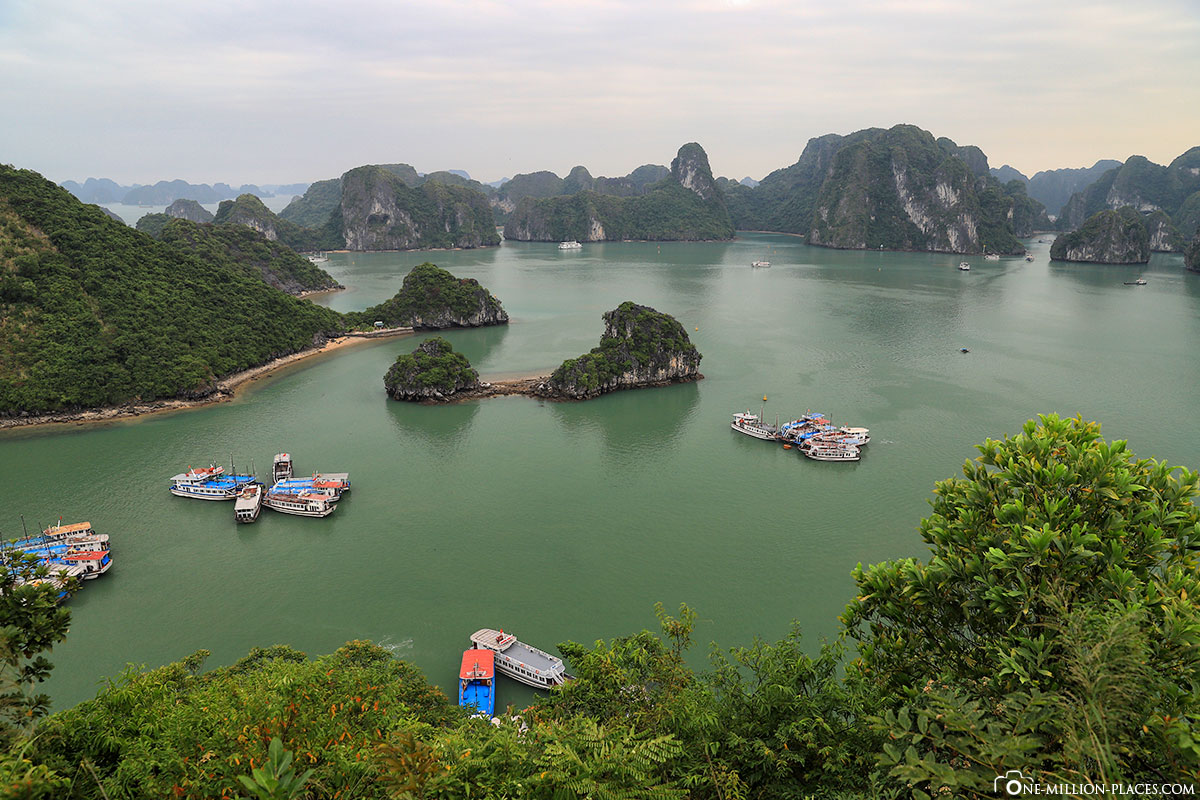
x=189, y=210
x=1108, y=237
x=640, y=347
x=1164, y=237
x=249, y=211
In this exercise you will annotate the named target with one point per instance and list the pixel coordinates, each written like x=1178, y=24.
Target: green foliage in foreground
x=1053, y=629
x=153, y=224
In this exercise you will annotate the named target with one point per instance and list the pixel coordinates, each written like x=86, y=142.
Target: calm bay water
x=569, y=521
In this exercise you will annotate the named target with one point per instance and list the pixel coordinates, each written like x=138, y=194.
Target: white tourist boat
x=318, y=258
x=992, y=257
x=302, y=504
x=751, y=425
x=249, y=503
x=964, y=266
x=282, y=469
x=571, y=245
x=521, y=662
x=762, y=263
x=829, y=452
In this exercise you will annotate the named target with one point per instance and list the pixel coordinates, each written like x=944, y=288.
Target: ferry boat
x=94, y=563
x=1138, y=282
x=829, y=452
x=751, y=425
x=249, y=503
x=763, y=263
x=519, y=661
x=225, y=487
x=333, y=484
x=317, y=258
x=477, y=681
x=571, y=245
x=964, y=266
x=991, y=257
x=301, y=503
x=282, y=469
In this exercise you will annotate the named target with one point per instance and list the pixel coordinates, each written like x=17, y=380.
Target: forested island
x=96, y=314
x=1057, y=636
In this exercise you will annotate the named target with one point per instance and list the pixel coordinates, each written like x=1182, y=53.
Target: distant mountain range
x=104, y=190
x=1053, y=188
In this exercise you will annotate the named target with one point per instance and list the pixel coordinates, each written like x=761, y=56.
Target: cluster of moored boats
x=493, y=652
x=315, y=496
x=69, y=552
x=812, y=434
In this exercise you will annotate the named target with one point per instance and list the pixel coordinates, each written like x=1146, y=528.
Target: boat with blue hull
x=477, y=682
x=332, y=484
x=221, y=487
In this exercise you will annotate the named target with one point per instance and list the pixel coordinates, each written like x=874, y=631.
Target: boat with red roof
x=477, y=681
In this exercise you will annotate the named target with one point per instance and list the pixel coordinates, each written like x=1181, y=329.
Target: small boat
x=477, y=681
x=282, y=469
x=751, y=425
x=77, y=530
x=94, y=563
x=318, y=258
x=519, y=661
x=1029, y=256
x=301, y=503
x=964, y=266
x=249, y=503
x=333, y=484
x=1138, y=282
x=991, y=257
x=763, y=263
x=571, y=245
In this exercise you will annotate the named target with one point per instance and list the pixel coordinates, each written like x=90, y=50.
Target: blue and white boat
x=195, y=483
x=477, y=681
x=330, y=484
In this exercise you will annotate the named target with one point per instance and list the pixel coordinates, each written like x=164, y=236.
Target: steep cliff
x=901, y=190
x=640, y=347
x=1139, y=183
x=1054, y=187
x=1108, y=237
x=248, y=250
x=189, y=210
x=1187, y=218
x=1191, y=257
x=1164, y=237
x=318, y=203
x=686, y=205
x=379, y=211
x=431, y=372
x=249, y=211
x=432, y=298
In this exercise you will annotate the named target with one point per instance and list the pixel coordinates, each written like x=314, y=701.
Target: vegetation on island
x=94, y=313
x=1108, y=237
x=251, y=252
x=1144, y=185
x=433, y=370
x=153, y=224
x=640, y=346
x=1053, y=628
x=431, y=297
x=684, y=205
x=249, y=211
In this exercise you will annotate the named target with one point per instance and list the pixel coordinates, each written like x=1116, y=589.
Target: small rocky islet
x=641, y=347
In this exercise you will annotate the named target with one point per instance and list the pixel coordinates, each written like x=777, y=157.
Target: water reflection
x=634, y=425
x=440, y=428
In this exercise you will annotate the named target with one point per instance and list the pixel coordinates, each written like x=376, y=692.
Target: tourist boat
x=519, y=661
x=333, y=484
x=318, y=258
x=477, y=681
x=829, y=452
x=282, y=469
x=223, y=487
x=863, y=433
x=991, y=257
x=1029, y=256
x=1138, y=282
x=94, y=563
x=964, y=266
x=301, y=503
x=839, y=438
x=762, y=263
x=571, y=245
x=751, y=425
x=249, y=503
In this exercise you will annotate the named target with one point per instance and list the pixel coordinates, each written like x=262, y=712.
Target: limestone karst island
x=583, y=401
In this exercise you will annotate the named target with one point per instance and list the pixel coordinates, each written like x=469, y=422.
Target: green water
x=569, y=521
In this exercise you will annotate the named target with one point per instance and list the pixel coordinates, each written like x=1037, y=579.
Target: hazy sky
x=273, y=92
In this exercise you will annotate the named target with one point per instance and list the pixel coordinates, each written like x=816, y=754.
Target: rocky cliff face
x=248, y=210
x=1109, y=237
x=640, y=347
x=381, y=212
x=686, y=205
x=432, y=298
x=1140, y=184
x=189, y=210
x=431, y=372
x=1164, y=238
x=1191, y=257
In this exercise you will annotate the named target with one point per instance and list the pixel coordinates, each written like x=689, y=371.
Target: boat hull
x=308, y=511
x=765, y=435
x=180, y=491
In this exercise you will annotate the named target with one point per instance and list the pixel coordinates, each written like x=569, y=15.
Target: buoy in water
x=697, y=328
x=764, y=398
x=787, y=447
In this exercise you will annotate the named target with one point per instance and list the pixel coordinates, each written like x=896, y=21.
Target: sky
x=259, y=91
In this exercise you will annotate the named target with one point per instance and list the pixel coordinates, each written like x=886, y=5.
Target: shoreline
x=226, y=388
x=527, y=387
